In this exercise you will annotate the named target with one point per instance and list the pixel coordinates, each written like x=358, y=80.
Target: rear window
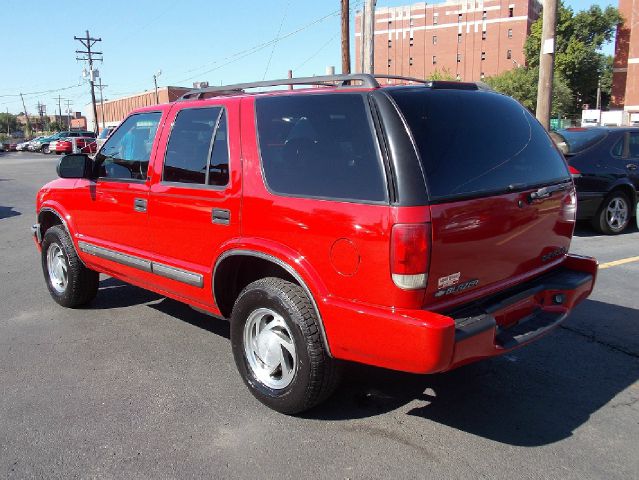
x=319, y=146
x=572, y=141
x=475, y=143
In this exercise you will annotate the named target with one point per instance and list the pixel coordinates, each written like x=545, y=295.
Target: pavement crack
x=594, y=339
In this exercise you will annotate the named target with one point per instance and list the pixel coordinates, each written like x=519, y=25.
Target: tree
x=55, y=127
x=8, y=118
x=443, y=74
x=521, y=84
x=578, y=61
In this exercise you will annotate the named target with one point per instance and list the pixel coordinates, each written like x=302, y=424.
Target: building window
x=483, y=35
x=483, y=55
x=510, y=33
x=389, y=63
x=411, y=43
x=410, y=61
x=434, y=59
x=481, y=75
x=484, y=15
x=411, y=22
x=459, y=17
x=390, y=43
x=458, y=57
x=459, y=38
x=509, y=54
x=511, y=11
x=435, y=18
x=390, y=22
x=434, y=39
x=458, y=77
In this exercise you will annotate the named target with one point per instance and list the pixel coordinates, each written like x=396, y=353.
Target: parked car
x=1, y=147
x=82, y=144
x=604, y=162
x=104, y=134
x=22, y=146
x=44, y=144
x=396, y=226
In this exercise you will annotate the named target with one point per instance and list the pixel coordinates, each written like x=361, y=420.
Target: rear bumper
x=420, y=341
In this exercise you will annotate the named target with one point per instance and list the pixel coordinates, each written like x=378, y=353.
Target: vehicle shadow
x=583, y=229
x=7, y=212
x=536, y=396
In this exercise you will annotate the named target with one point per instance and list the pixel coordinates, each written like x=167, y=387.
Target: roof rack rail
x=365, y=80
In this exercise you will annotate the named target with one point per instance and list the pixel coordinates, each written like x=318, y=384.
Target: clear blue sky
x=189, y=40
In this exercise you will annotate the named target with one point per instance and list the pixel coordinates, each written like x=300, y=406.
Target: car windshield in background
x=574, y=140
x=497, y=147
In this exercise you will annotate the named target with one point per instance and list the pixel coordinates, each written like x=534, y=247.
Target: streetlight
x=155, y=81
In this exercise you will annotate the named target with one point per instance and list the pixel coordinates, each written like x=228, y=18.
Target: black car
x=604, y=162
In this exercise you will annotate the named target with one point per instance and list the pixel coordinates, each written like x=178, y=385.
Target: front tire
x=70, y=283
x=613, y=216
x=278, y=347
x=45, y=149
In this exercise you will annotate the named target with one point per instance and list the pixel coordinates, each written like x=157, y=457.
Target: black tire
x=603, y=223
x=81, y=283
x=45, y=149
x=315, y=375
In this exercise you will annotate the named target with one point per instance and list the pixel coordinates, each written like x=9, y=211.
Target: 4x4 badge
x=449, y=280
x=457, y=288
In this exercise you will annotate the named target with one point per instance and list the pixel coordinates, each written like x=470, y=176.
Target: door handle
x=221, y=216
x=631, y=166
x=139, y=205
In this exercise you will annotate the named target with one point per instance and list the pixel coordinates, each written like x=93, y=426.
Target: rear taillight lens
x=573, y=170
x=569, y=206
x=409, y=256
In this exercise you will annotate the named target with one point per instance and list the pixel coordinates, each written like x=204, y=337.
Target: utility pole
x=59, y=109
x=8, y=121
x=26, y=115
x=346, y=41
x=155, y=81
x=88, y=42
x=369, y=34
x=69, y=102
x=42, y=110
x=100, y=86
x=599, y=94
x=546, y=63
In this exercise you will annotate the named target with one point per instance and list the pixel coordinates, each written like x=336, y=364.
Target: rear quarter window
x=474, y=143
x=319, y=146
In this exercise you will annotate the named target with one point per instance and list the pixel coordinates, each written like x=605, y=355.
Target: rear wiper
x=545, y=192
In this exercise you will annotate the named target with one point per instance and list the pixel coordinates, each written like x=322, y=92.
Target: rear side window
x=190, y=147
x=319, y=146
x=474, y=143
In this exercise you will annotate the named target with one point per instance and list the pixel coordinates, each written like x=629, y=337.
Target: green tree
x=521, y=84
x=55, y=127
x=443, y=74
x=10, y=119
x=578, y=59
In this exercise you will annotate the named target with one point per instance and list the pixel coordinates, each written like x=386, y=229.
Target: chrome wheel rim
x=58, y=268
x=270, y=349
x=617, y=214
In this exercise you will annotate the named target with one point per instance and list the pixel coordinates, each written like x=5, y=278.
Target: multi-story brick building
x=467, y=39
x=625, y=76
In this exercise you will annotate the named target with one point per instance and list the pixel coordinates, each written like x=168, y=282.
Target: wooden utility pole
x=546, y=63
x=89, y=56
x=346, y=43
x=368, y=36
x=26, y=115
x=100, y=86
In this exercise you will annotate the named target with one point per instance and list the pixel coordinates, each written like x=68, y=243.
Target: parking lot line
x=618, y=262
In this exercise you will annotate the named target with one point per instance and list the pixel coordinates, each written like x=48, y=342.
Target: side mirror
x=75, y=165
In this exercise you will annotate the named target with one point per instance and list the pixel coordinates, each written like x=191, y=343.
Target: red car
x=65, y=145
x=400, y=226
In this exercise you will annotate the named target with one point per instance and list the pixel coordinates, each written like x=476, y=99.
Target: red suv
x=415, y=227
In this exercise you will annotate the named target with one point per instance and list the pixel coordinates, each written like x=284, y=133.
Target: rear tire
x=45, y=149
x=613, y=215
x=278, y=347
x=70, y=283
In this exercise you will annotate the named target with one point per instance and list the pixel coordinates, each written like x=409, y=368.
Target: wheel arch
x=236, y=268
x=630, y=192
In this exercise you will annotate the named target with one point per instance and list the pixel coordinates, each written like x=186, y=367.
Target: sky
x=188, y=40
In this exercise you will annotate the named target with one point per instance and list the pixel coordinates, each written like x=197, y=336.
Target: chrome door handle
x=631, y=166
x=221, y=216
x=139, y=205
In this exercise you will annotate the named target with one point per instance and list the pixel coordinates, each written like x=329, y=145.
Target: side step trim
x=177, y=274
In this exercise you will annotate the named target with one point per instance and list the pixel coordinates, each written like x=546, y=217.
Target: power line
x=90, y=55
x=55, y=90
x=277, y=38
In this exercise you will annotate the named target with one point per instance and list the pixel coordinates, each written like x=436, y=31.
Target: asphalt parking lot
x=139, y=386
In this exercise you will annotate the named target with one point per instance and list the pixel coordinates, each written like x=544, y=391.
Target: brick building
x=468, y=39
x=625, y=76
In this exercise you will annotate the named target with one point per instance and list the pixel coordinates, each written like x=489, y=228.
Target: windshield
x=474, y=143
x=574, y=140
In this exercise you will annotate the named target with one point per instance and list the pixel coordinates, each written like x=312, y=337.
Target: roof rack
x=353, y=80
x=365, y=80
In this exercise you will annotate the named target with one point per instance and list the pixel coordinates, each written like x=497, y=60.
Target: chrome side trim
x=35, y=231
x=285, y=266
x=184, y=276
x=122, y=258
x=177, y=274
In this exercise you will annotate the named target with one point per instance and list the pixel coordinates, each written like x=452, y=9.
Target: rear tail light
x=573, y=170
x=410, y=255
x=569, y=206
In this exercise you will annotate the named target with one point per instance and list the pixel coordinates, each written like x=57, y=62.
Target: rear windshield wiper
x=545, y=192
